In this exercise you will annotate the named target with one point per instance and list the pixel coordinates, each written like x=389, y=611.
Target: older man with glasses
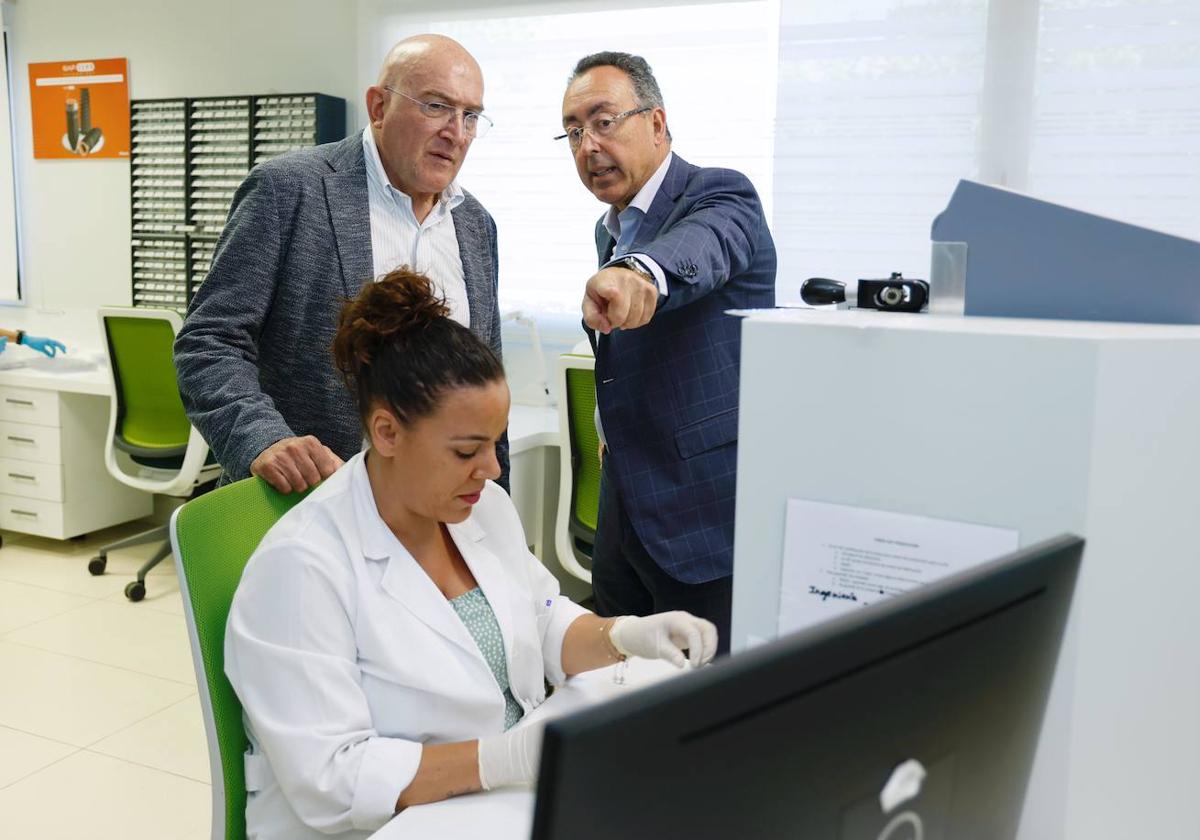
x=305, y=232
x=679, y=246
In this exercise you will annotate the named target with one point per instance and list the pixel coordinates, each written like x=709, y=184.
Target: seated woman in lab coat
x=392, y=627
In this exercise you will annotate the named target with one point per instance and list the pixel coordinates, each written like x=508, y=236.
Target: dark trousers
x=627, y=581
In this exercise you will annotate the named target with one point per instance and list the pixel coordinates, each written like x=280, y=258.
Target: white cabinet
x=52, y=477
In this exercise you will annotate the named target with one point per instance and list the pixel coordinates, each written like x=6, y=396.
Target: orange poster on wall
x=80, y=108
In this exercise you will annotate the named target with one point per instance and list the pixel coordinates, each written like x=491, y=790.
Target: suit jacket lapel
x=470, y=229
x=350, y=213
x=664, y=202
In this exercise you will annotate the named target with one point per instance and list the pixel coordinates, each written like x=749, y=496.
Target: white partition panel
x=1039, y=426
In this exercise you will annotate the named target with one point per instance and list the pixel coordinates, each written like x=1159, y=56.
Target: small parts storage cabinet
x=52, y=477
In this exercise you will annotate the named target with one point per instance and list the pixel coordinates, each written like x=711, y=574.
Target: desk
x=508, y=814
x=53, y=424
x=532, y=431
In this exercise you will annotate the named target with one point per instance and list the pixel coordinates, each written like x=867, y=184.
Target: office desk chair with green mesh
x=579, y=462
x=213, y=537
x=150, y=446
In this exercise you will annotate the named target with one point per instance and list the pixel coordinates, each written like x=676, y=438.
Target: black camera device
x=895, y=294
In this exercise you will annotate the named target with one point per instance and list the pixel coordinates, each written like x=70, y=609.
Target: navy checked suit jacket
x=668, y=391
x=253, y=357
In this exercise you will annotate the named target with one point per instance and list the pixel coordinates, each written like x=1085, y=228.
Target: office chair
x=579, y=461
x=150, y=446
x=213, y=536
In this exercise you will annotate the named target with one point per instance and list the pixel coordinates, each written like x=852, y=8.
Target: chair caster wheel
x=97, y=565
x=135, y=591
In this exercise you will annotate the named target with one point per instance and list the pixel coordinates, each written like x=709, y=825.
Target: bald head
x=422, y=148
x=411, y=53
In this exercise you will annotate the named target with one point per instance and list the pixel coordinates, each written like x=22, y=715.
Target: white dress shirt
x=347, y=657
x=397, y=238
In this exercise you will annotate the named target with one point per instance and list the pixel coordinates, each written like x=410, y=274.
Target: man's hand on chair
x=294, y=464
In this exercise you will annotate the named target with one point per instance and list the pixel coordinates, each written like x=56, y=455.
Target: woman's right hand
x=512, y=757
x=666, y=636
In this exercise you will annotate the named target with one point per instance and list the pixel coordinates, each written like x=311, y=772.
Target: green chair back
x=213, y=536
x=150, y=415
x=585, y=444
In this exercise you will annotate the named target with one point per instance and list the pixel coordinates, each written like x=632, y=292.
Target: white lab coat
x=347, y=658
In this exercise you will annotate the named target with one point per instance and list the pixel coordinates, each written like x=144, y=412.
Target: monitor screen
x=912, y=719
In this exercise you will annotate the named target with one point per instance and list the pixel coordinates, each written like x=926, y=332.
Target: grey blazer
x=253, y=357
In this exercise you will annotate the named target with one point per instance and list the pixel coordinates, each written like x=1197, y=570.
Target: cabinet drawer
x=31, y=479
x=25, y=442
x=29, y=405
x=31, y=516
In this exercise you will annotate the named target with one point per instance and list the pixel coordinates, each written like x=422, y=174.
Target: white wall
x=75, y=215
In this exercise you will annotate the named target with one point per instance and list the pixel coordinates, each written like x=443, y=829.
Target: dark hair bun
x=391, y=311
x=397, y=346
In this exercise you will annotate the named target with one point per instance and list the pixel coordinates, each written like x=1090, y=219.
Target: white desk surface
x=507, y=814
x=78, y=372
x=530, y=426
x=85, y=372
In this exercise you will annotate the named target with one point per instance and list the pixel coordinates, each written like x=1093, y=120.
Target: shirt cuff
x=660, y=277
x=387, y=767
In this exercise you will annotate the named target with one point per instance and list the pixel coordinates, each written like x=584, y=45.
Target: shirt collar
x=643, y=199
x=450, y=198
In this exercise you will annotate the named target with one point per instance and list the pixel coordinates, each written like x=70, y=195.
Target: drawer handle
x=24, y=513
x=18, y=402
x=16, y=439
x=24, y=477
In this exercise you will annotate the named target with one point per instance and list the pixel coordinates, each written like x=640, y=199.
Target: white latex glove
x=512, y=757
x=666, y=636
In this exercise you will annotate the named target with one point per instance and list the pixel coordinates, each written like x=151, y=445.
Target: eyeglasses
x=474, y=123
x=603, y=125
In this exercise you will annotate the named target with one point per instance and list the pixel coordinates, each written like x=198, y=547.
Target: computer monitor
x=799, y=737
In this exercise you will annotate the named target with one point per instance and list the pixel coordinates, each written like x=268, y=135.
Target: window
x=10, y=276
x=1116, y=126
x=878, y=115
x=715, y=64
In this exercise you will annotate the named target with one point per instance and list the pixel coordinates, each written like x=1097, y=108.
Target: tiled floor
x=100, y=729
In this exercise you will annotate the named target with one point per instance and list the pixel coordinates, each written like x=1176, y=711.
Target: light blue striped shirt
x=397, y=238
x=623, y=226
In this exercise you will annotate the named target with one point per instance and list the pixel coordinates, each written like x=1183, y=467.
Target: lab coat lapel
x=407, y=582
x=489, y=574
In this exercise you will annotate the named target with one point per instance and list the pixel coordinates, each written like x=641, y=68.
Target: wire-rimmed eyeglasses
x=602, y=125
x=474, y=123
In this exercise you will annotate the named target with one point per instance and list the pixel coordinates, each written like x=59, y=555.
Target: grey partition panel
x=1030, y=258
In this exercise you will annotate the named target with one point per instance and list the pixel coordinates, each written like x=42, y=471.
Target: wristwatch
x=637, y=267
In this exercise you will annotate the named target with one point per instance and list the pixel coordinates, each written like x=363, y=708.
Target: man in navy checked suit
x=678, y=247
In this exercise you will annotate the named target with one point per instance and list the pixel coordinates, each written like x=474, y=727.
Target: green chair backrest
x=214, y=535
x=585, y=445
x=150, y=414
